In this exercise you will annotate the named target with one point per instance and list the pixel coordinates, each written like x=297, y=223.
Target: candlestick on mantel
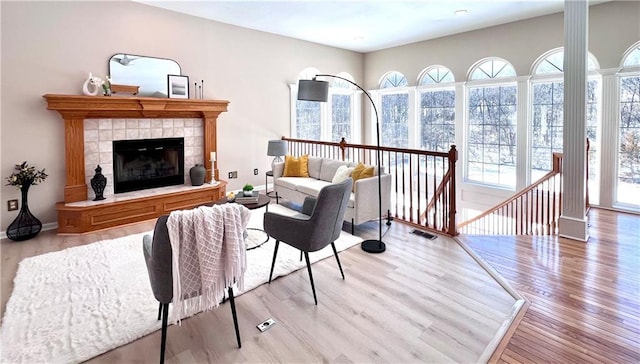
x=212, y=158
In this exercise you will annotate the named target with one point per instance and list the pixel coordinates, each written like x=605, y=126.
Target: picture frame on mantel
x=177, y=87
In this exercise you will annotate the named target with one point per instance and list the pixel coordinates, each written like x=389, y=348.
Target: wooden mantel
x=114, y=107
x=74, y=109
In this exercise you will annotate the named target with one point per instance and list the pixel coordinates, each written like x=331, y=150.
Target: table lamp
x=276, y=148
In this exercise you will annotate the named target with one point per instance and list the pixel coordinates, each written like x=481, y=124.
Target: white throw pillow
x=342, y=173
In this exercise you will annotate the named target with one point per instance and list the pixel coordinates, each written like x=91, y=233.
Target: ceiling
x=364, y=26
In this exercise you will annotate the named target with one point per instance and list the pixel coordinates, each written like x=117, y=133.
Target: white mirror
x=149, y=73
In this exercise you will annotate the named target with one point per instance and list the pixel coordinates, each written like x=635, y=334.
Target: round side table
x=256, y=237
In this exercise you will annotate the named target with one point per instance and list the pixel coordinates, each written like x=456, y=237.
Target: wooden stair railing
x=448, y=180
x=423, y=182
x=532, y=211
x=535, y=210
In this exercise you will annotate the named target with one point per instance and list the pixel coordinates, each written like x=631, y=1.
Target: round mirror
x=149, y=73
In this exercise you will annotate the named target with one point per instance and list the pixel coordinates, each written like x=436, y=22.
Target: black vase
x=25, y=226
x=98, y=183
x=197, y=174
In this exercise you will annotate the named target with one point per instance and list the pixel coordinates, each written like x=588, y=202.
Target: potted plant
x=247, y=190
x=25, y=226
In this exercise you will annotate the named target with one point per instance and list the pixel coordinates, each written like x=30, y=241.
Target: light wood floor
x=584, y=297
x=420, y=301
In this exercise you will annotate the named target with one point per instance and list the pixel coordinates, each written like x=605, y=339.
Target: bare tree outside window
x=394, y=122
x=492, y=135
x=437, y=120
x=308, y=120
x=629, y=153
x=341, y=117
x=394, y=112
x=548, y=125
x=437, y=109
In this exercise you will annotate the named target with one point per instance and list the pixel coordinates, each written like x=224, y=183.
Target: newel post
x=343, y=147
x=453, y=157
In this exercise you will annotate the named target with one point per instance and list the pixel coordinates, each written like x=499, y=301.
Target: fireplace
x=147, y=163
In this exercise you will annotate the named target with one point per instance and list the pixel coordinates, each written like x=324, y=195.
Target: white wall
x=50, y=47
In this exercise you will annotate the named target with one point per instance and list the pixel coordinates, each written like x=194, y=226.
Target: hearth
x=147, y=163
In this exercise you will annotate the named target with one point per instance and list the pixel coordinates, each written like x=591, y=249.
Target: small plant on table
x=247, y=189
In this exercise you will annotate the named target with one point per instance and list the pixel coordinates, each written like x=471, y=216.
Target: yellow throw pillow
x=296, y=167
x=360, y=172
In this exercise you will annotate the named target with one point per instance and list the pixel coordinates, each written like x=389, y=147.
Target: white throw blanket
x=208, y=255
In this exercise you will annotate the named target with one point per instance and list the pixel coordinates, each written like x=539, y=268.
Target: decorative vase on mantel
x=197, y=174
x=98, y=183
x=25, y=226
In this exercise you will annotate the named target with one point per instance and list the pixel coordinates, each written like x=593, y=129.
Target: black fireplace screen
x=147, y=163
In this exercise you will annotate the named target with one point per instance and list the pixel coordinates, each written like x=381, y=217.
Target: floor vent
x=424, y=234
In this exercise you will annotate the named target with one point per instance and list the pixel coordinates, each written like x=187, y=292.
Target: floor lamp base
x=373, y=246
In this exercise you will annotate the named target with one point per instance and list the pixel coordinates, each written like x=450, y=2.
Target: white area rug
x=72, y=305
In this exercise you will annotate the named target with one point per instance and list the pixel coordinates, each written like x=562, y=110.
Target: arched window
x=548, y=115
x=628, y=184
x=435, y=74
x=437, y=108
x=632, y=57
x=491, y=124
x=330, y=121
x=394, y=110
x=553, y=62
x=491, y=69
x=393, y=79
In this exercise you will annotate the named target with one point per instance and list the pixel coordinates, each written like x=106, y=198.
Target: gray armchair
x=318, y=226
x=158, y=255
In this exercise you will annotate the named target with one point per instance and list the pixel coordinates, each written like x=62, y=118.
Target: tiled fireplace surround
x=91, y=125
x=99, y=135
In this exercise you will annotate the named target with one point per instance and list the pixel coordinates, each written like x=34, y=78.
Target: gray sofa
x=363, y=204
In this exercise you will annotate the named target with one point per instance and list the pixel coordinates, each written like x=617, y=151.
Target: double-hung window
x=628, y=181
x=342, y=112
x=491, y=124
x=437, y=100
x=394, y=111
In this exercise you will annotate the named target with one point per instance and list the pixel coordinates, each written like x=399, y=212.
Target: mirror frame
x=149, y=73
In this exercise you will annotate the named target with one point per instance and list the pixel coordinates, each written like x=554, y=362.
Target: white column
x=610, y=129
x=523, y=134
x=573, y=222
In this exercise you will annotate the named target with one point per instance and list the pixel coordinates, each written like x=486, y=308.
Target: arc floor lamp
x=315, y=90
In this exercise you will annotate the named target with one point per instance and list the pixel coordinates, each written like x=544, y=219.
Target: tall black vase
x=98, y=183
x=25, y=226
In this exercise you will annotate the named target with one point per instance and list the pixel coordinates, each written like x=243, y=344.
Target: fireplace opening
x=147, y=163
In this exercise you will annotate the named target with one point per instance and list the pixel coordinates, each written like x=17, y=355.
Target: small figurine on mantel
x=98, y=183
